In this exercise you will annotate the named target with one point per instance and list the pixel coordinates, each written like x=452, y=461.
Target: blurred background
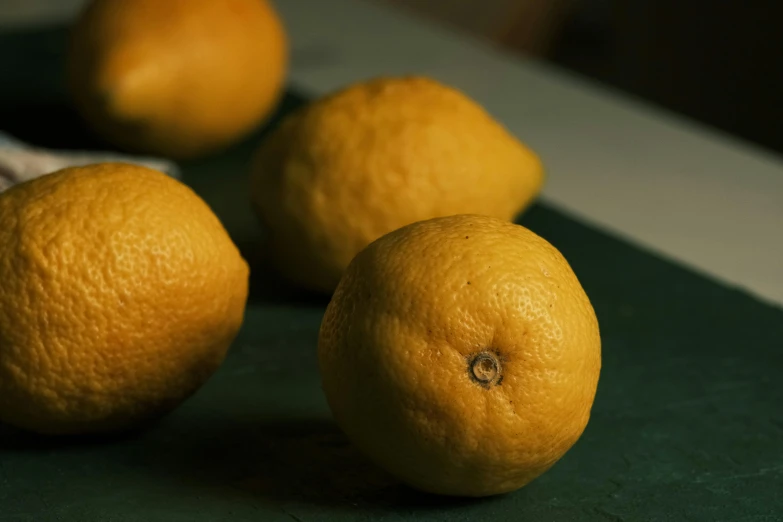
x=717, y=61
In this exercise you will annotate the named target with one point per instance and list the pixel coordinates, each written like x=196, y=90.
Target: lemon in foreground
x=374, y=157
x=180, y=78
x=121, y=292
x=461, y=354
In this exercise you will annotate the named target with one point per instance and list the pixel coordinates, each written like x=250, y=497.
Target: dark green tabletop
x=687, y=422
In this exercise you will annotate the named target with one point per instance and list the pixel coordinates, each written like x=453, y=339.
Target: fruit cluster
x=459, y=351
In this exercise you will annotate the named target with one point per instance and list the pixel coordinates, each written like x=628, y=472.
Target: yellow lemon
x=180, y=78
x=376, y=156
x=121, y=292
x=461, y=354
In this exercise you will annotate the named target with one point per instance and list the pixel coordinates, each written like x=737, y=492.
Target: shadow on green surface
x=33, y=100
x=49, y=125
x=15, y=439
x=271, y=461
x=282, y=461
x=268, y=286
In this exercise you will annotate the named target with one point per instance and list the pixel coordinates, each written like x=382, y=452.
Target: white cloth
x=21, y=162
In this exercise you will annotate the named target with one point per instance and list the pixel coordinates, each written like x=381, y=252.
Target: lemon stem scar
x=485, y=369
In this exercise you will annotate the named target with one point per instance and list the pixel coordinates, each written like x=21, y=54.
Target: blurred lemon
x=179, y=78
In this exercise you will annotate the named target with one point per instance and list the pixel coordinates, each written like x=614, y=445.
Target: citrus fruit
x=121, y=292
x=461, y=354
x=376, y=156
x=180, y=78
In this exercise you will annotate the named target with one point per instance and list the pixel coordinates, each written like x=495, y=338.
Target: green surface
x=687, y=423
